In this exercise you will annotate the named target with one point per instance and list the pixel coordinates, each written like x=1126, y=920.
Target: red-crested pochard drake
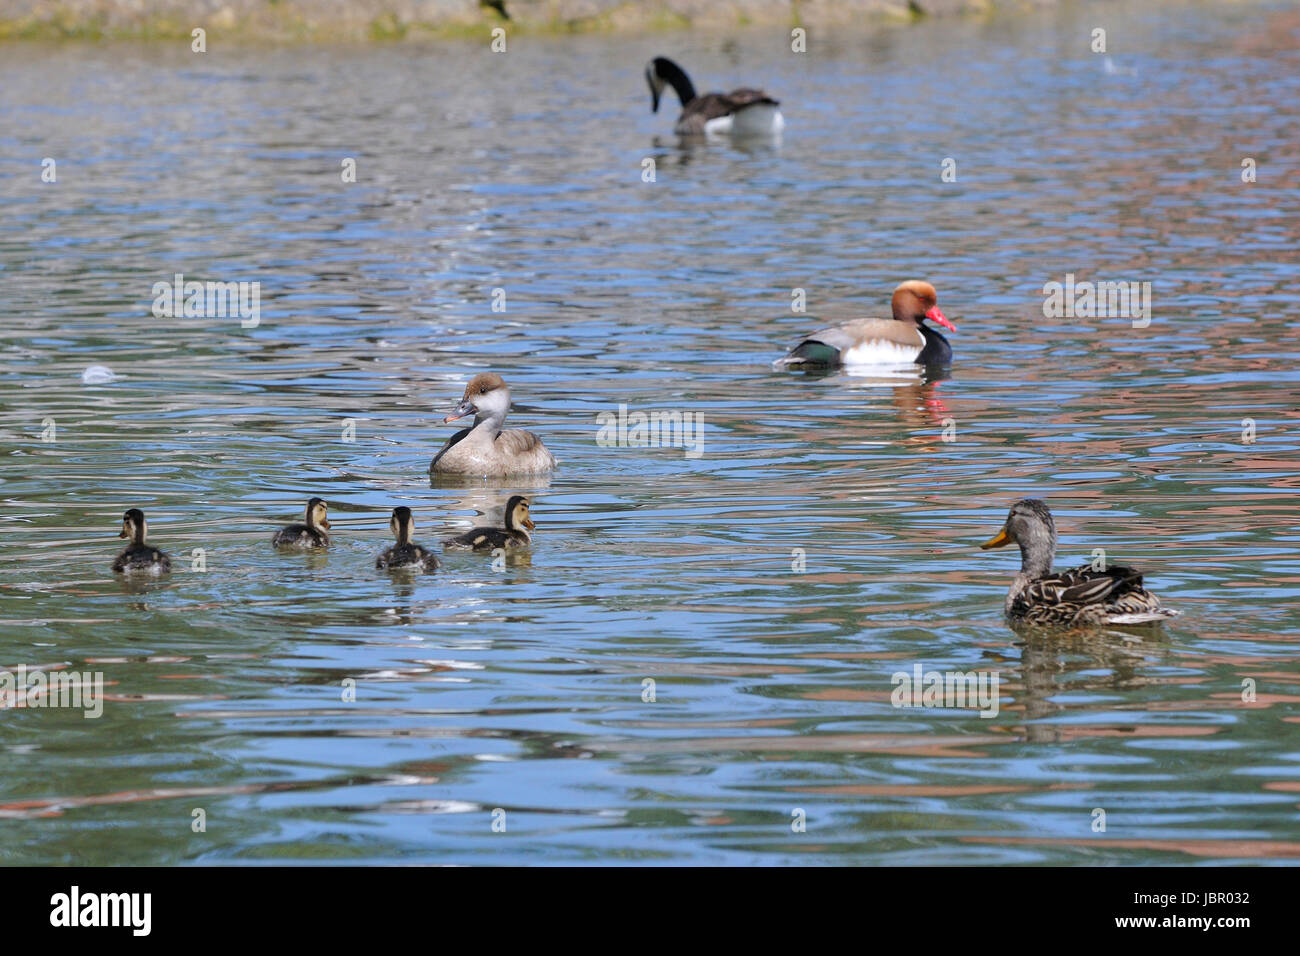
x=486, y=448
x=902, y=340
x=742, y=112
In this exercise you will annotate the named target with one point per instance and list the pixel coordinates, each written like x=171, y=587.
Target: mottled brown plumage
x=1084, y=596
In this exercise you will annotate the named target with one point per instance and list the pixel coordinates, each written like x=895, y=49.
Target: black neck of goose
x=676, y=77
x=403, y=532
x=137, y=534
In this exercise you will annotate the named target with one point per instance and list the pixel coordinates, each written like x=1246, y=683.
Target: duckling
x=138, y=556
x=514, y=535
x=311, y=534
x=406, y=553
x=486, y=449
x=1083, y=596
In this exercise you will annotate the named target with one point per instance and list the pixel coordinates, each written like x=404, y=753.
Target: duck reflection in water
x=1055, y=665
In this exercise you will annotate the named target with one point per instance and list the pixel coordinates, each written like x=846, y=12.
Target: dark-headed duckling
x=513, y=535
x=1080, y=597
x=138, y=556
x=406, y=553
x=310, y=534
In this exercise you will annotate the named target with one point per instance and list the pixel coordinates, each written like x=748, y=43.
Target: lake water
x=520, y=688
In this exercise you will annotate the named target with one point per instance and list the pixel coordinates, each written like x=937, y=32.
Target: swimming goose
x=138, y=556
x=743, y=112
x=485, y=448
x=902, y=340
x=406, y=553
x=1083, y=596
x=310, y=534
x=513, y=535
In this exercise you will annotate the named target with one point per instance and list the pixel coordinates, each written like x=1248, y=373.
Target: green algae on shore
x=366, y=21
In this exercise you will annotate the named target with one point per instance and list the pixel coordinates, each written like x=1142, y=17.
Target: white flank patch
x=1149, y=617
x=720, y=124
x=880, y=352
x=761, y=119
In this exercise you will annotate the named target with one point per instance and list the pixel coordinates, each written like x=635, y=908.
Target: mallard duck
x=310, y=534
x=1083, y=596
x=138, y=556
x=486, y=448
x=514, y=535
x=904, y=339
x=742, y=112
x=406, y=553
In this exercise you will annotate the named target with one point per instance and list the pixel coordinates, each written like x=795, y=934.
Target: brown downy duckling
x=406, y=553
x=515, y=534
x=139, y=557
x=311, y=533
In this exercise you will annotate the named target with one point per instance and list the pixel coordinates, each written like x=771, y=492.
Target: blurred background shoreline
x=331, y=21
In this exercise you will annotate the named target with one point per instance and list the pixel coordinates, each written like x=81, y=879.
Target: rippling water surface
x=521, y=687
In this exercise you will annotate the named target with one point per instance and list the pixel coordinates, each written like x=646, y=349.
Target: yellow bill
x=999, y=540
